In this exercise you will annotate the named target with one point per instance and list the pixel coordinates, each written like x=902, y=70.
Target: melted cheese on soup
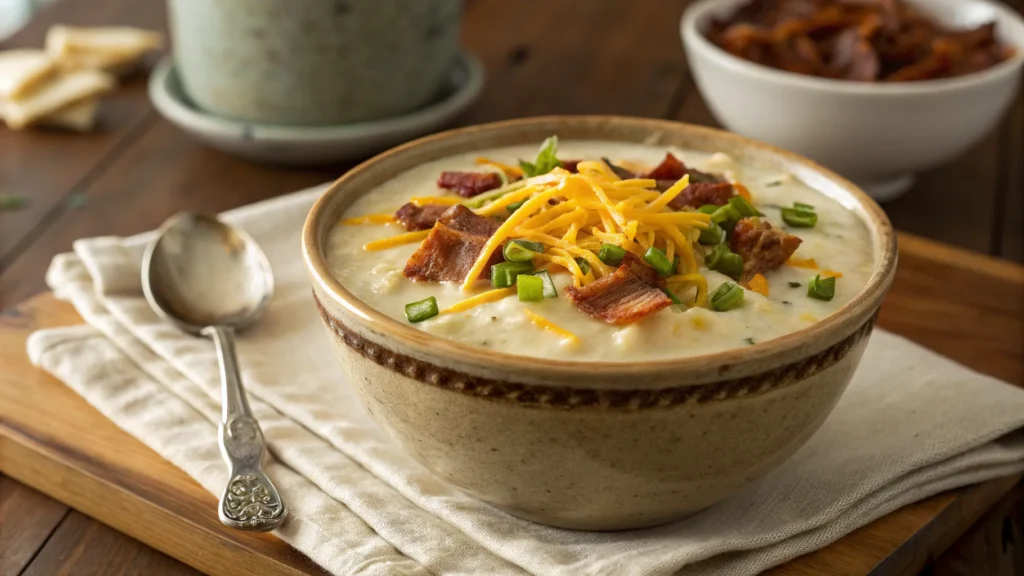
x=555, y=328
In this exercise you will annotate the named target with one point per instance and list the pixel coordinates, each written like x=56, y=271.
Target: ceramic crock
x=594, y=445
x=313, y=62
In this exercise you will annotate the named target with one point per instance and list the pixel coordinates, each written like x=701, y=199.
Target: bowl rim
x=427, y=345
x=694, y=39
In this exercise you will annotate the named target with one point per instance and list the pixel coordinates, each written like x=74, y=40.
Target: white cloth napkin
x=911, y=424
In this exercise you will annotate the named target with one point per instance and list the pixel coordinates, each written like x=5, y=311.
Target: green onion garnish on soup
x=504, y=274
x=422, y=310
x=583, y=264
x=657, y=259
x=725, y=261
x=800, y=215
x=521, y=250
x=821, y=288
x=611, y=255
x=714, y=234
x=550, y=291
x=530, y=288
x=729, y=296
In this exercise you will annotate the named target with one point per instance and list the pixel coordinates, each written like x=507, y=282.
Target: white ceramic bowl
x=878, y=135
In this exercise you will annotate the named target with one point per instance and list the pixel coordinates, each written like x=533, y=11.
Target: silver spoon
x=209, y=278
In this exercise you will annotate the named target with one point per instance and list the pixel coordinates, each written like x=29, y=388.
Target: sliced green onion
x=583, y=264
x=708, y=209
x=745, y=209
x=422, y=310
x=516, y=205
x=749, y=341
x=675, y=299
x=550, y=291
x=799, y=218
x=821, y=288
x=530, y=288
x=611, y=255
x=713, y=235
x=488, y=197
x=725, y=261
x=521, y=250
x=657, y=259
x=726, y=216
x=504, y=274
x=803, y=206
x=727, y=297
x=795, y=284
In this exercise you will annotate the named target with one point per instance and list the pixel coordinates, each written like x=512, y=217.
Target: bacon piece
x=630, y=293
x=414, y=217
x=571, y=165
x=700, y=193
x=762, y=247
x=469, y=184
x=671, y=168
x=451, y=248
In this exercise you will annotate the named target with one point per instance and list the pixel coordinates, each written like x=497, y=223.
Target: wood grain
x=994, y=545
x=27, y=518
x=84, y=460
x=83, y=546
x=46, y=166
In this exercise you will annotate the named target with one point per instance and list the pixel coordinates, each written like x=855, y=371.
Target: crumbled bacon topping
x=629, y=294
x=452, y=247
x=671, y=168
x=469, y=184
x=762, y=247
x=571, y=165
x=414, y=217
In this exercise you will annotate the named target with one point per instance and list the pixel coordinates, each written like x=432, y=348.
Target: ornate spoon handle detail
x=249, y=501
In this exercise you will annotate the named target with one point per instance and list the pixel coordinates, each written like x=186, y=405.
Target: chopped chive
x=774, y=184
x=657, y=259
x=787, y=302
x=821, y=288
x=516, y=205
x=675, y=299
x=727, y=297
x=530, y=288
x=422, y=310
x=803, y=206
x=744, y=208
x=795, y=284
x=708, y=209
x=799, y=218
x=725, y=261
x=611, y=255
x=504, y=274
x=550, y=291
x=583, y=264
x=726, y=216
x=521, y=250
x=713, y=235
x=749, y=341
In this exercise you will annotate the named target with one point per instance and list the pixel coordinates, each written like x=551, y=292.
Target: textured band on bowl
x=572, y=398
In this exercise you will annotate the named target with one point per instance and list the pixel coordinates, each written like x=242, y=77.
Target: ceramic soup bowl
x=595, y=445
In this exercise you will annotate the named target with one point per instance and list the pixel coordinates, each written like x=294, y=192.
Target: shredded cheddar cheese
x=368, y=219
x=758, y=284
x=831, y=273
x=510, y=171
x=542, y=322
x=391, y=242
x=802, y=263
x=572, y=215
x=442, y=200
x=484, y=298
x=742, y=191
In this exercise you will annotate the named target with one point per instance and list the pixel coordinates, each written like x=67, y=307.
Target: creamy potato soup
x=600, y=251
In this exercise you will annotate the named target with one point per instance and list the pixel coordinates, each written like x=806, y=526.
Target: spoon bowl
x=201, y=272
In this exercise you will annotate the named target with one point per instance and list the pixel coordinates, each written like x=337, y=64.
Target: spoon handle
x=249, y=501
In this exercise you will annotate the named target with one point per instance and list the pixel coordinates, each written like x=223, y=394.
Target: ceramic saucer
x=305, y=145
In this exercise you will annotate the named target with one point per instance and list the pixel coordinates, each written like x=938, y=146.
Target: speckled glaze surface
x=309, y=62
x=588, y=445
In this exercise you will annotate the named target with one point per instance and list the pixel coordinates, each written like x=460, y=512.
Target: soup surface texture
x=838, y=245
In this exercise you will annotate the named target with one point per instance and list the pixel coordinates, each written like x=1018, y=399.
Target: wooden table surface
x=615, y=58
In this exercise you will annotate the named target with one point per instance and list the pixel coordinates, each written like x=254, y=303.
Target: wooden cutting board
x=963, y=305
